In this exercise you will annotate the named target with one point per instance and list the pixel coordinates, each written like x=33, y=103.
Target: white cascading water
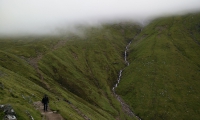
x=124, y=105
x=120, y=72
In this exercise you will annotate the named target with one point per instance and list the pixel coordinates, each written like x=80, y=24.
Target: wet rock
x=30, y=116
x=1, y=106
x=9, y=112
x=10, y=117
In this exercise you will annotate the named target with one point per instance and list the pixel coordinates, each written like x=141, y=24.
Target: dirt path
x=34, y=61
x=49, y=115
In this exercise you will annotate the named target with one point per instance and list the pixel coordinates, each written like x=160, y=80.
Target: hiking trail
x=49, y=115
x=34, y=61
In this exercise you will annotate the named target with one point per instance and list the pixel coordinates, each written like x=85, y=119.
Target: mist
x=41, y=17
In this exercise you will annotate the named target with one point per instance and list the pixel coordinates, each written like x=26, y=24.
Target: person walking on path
x=45, y=101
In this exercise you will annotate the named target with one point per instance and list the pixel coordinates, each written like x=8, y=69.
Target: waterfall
x=124, y=105
x=127, y=64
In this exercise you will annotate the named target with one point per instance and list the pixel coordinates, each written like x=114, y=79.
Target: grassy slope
x=162, y=81
x=87, y=67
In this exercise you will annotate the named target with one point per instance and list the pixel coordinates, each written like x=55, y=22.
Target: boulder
x=9, y=112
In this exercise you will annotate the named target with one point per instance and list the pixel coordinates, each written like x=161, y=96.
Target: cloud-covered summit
x=18, y=17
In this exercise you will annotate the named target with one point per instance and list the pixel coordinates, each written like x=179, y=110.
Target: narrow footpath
x=49, y=115
x=34, y=61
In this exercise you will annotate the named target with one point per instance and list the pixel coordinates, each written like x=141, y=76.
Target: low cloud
x=38, y=17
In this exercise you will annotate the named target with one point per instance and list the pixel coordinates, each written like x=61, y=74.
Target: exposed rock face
x=9, y=112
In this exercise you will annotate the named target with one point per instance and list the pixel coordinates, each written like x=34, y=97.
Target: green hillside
x=162, y=81
x=81, y=70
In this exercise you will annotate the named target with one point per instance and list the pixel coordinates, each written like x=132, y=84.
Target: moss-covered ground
x=161, y=82
x=163, y=79
x=80, y=69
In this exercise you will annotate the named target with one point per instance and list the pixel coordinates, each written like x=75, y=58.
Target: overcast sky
x=46, y=16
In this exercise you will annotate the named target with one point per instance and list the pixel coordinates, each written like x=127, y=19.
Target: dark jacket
x=45, y=100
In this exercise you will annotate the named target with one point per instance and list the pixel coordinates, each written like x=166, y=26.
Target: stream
x=125, y=107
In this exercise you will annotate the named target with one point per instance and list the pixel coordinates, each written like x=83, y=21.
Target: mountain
x=79, y=72
x=162, y=80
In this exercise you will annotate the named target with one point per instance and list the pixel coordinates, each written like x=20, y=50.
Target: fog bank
x=38, y=17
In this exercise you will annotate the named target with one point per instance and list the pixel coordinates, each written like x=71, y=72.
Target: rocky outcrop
x=9, y=112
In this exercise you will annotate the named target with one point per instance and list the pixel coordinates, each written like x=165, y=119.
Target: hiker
x=45, y=101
